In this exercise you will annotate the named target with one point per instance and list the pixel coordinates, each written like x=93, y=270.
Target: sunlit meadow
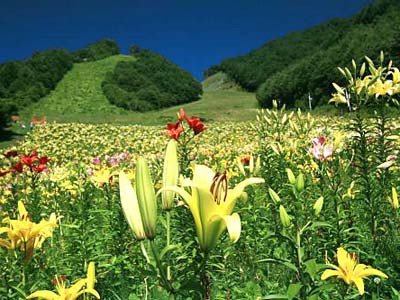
x=288, y=206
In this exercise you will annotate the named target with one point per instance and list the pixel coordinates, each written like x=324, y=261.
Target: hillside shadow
x=8, y=135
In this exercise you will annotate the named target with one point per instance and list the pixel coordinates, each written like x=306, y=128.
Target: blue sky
x=193, y=34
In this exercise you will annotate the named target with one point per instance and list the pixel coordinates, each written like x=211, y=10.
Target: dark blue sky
x=193, y=34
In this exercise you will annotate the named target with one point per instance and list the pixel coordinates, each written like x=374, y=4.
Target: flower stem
x=204, y=279
x=163, y=276
x=168, y=242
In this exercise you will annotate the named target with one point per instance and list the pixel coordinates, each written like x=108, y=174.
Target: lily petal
x=47, y=295
x=233, y=225
x=359, y=284
x=329, y=273
x=203, y=177
x=235, y=193
x=365, y=271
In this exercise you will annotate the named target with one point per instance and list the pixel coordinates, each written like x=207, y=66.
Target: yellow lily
x=80, y=287
x=396, y=75
x=102, y=176
x=350, y=271
x=211, y=204
x=27, y=235
x=338, y=98
x=383, y=88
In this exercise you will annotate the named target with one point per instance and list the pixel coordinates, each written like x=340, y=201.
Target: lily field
x=288, y=206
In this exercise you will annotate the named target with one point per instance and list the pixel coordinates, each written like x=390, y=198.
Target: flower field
x=288, y=206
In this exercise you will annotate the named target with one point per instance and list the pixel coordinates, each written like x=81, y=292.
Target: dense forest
x=151, y=82
x=25, y=82
x=304, y=63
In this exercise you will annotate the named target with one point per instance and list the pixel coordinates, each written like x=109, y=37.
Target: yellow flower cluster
x=380, y=82
x=25, y=234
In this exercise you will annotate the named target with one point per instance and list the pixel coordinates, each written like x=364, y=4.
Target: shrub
x=150, y=82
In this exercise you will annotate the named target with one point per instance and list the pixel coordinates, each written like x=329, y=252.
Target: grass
x=79, y=91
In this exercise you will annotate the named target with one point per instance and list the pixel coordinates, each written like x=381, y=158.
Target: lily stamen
x=219, y=187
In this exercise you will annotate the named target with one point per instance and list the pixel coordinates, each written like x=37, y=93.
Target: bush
x=98, y=50
x=7, y=109
x=151, y=82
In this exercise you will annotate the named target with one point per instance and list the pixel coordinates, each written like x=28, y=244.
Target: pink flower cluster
x=320, y=150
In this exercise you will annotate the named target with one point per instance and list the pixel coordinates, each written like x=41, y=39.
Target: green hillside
x=303, y=63
x=79, y=98
x=219, y=81
x=79, y=91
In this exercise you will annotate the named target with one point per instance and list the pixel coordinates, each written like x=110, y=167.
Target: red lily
x=174, y=130
x=18, y=167
x=30, y=159
x=245, y=160
x=11, y=153
x=42, y=166
x=4, y=173
x=193, y=122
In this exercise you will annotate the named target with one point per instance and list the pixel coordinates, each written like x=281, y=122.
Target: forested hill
x=305, y=62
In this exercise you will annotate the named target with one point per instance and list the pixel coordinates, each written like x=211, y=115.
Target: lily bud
x=251, y=164
x=146, y=198
x=318, y=205
x=257, y=167
x=395, y=199
x=241, y=167
x=362, y=71
x=130, y=206
x=300, y=183
x=274, y=196
x=353, y=62
x=170, y=174
x=91, y=276
x=244, y=196
x=283, y=215
x=290, y=176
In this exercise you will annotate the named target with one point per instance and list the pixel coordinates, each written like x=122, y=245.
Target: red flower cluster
x=32, y=161
x=175, y=129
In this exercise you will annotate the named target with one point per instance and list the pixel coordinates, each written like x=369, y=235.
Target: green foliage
x=303, y=63
x=314, y=74
x=151, y=82
x=6, y=110
x=96, y=51
x=251, y=70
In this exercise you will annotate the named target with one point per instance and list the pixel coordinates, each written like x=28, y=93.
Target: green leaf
x=318, y=225
x=311, y=267
x=276, y=296
x=167, y=249
x=293, y=290
x=287, y=264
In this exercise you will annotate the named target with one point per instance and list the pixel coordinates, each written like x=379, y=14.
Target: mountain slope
x=79, y=98
x=80, y=90
x=305, y=62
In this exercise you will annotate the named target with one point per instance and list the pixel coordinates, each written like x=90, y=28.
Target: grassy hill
x=79, y=91
x=79, y=98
